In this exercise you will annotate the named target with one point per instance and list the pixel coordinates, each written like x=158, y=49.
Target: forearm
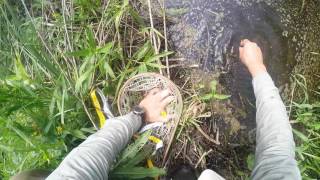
x=275, y=157
x=93, y=158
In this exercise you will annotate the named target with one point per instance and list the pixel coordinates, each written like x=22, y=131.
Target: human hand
x=251, y=57
x=155, y=103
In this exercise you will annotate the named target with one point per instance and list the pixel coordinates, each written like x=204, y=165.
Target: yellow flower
x=59, y=130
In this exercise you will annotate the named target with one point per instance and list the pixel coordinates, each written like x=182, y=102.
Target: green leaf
x=136, y=173
x=142, y=155
x=78, y=134
x=302, y=106
x=6, y=148
x=21, y=134
x=109, y=70
x=137, y=18
x=105, y=49
x=132, y=150
x=81, y=79
x=206, y=97
x=80, y=53
x=156, y=65
x=84, y=76
x=213, y=86
x=89, y=130
x=158, y=56
x=120, y=13
x=149, y=29
x=90, y=38
x=312, y=156
x=141, y=53
x=142, y=68
x=250, y=162
x=221, y=96
x=300, y=135
x=20, y=71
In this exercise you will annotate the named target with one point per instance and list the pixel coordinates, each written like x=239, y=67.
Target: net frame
x=133, y=91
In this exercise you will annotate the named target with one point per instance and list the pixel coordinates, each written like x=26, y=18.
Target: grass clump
x=306, y=120
x=52, y=54
x=308, y=148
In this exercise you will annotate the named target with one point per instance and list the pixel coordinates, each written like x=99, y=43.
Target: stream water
x=206, y=33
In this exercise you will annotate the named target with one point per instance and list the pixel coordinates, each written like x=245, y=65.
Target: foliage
x=136, y=153
x=213, y=94
x=308, y=148
x=306, y=118
x=52, y=54
x=250, y=162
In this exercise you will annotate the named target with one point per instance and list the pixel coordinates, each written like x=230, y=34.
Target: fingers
x=244, y=42
x=169, y=117
x=166, y=101
x=154, y=91
x=163, y=119
x=240, y=52
x=164, y=94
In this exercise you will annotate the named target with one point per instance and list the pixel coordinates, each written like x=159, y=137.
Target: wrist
x=139, y=111
x=257, y=69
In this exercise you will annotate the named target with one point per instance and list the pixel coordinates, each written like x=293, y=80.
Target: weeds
x=308, y=149
x=127, y=164
x=213, y=94
x=306, y=119
x=53, y=53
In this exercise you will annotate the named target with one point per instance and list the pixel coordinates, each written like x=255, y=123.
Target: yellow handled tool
x=101, y=106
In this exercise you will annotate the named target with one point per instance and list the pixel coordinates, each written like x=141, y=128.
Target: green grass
x=308, y=148
x=306, y=118
x=52, y=54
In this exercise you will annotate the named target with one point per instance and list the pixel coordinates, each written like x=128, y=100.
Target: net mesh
x=133, y=92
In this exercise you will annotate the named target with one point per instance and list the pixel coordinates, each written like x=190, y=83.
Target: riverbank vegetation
x=305, y=117
x=52, y=54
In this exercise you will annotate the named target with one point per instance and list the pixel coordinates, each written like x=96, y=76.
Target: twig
x=184, y=143
x=100, y=25
x=165, y=38
x=64, y=8
x=206, y=136
x=88, y=114
x=217, y=135
x=291, y=99
x=203, y=155
x=153, y=38
x=177, y=59
x=67, y=41
x=170, y=142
